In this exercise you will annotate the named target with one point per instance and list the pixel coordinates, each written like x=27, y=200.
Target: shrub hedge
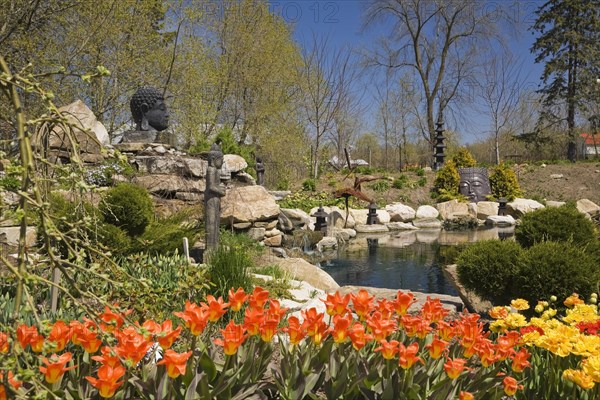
x=559, y=224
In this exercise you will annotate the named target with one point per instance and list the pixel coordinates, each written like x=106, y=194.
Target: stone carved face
x=158, y=116
x=474, y=183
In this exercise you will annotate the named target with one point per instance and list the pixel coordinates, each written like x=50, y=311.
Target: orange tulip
x=112, y=320
x=233, y=337
x=485, y=349
x=25, y=334
x=385, y=308
x=295, y=330
x=268, y=329
x=519, y=362
x=358, y=336
x=237, y=299
x=175, y=362
x=167, y=335
x=408, y=355
x=216, y=308
x=466, y=396
x=445, y=330
x=55, y=366
x=403, y=302
x=433, y=310
x=336, y=304
x=4, y=345
x=388, y=349
x=151, y=326
x=436, y=348
x=195, y=317
x=253, y=319
x=379, y=327
x=340, y=327
x=259, y=297
x=89, y=341
x=59, y=335
x=362, y=303
x=106, y=383
x=275, y=311
x=499, y=312
x=415, y=326
x=108, y=358
x=13, y=382
x=133, y=346
x=510, y=386
x=454, y=367
x=315, y=327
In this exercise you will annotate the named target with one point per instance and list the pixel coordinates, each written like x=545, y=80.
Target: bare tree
x=438, y=39
x=501, y=88
x=396, y=114
x=326, y=79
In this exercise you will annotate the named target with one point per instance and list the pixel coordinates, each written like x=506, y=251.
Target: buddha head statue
x=474, y=183
x=149, y=110
x=215, y=156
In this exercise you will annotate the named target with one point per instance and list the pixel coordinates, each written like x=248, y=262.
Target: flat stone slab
x=400, y=226
x=360, y=228
x=427, y=223
x=500, y=220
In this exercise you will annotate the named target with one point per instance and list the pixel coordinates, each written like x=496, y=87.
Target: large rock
x=500, y=220
x=248, y=204
x=90, y=134
x=273, y=241
x=555, y=204
x=171, y=165
x=297, y=216
x=302, y=270
x=472, y=302
x=400, y=226
x=11, y=234
x=383, y=217
x=360, y=216
x=327, y=243
x=519, y=207
x=363, y=228
x=233, y=163
x=453, y=207
x=427, y=212
x=586, y=206
x=486, y=209
x=400, y=212
x=168, y=185
x=427, y=223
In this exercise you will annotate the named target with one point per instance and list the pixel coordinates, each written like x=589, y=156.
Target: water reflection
x=410, y=260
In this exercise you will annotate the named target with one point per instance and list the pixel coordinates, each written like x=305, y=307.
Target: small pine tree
x=463, y=159
x=504, y=182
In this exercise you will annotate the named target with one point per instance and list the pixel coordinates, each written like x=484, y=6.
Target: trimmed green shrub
x=488, y=268
x=115, y=239
x=445, y=186
x=555, y=269
x=165, y=235
x=558, y=224
x=129, y=207
x=463, y=158
x=504, y=183
x=309, y=185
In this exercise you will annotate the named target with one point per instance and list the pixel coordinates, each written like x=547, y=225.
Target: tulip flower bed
x=361, y=348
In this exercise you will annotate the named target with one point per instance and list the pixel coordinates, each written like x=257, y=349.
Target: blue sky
x=341, y=21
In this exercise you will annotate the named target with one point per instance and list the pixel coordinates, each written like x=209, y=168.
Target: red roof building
x=591, y=144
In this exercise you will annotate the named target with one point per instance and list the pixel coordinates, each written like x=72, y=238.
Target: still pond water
x=405, y=260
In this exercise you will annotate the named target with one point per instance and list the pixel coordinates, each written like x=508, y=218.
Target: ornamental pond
x=407, y=260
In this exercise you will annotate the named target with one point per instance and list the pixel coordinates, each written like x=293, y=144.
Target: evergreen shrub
x=463, y=158
x=489, y=267
x=381, y=185
x=400, y=182
x=129, y=207
x=555, y=269
x=504, y=183
x=447, y=179
x=559, y=224
x=309, y=185
x=165, y=235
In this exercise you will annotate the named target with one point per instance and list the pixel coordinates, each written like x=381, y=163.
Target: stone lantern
x=502, y=201
x=439, y=144
x=372, y=215
x=321, y=222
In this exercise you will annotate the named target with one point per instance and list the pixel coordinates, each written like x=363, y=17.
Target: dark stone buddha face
x=474, y=183
x=158, y=116
x=149, y=110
